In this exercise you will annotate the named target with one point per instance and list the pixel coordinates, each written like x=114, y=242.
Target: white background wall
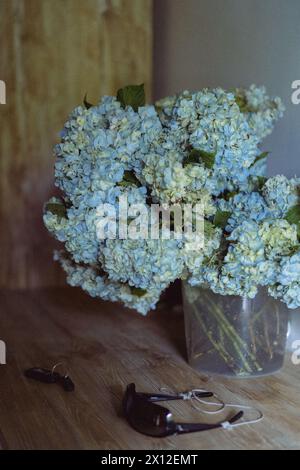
x=233, y=43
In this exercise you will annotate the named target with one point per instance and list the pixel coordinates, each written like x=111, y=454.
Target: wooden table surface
x=105, y=347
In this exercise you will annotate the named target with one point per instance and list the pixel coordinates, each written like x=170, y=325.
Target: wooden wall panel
x=51, y=53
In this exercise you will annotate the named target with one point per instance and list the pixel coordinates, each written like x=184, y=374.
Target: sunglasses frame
x=161, y=416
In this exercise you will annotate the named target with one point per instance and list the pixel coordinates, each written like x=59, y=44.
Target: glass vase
x=234, y=336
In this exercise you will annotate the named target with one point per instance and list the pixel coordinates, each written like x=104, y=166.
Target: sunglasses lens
x=144, y=416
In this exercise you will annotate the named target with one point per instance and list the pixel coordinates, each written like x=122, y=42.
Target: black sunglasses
x=155, y=420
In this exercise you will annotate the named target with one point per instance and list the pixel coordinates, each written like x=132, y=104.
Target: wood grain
x=105, y=346
x=53, y=52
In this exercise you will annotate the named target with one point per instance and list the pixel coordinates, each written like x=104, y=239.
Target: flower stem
x=236, y=339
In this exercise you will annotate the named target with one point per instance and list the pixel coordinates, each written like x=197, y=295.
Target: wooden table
x=105, y=347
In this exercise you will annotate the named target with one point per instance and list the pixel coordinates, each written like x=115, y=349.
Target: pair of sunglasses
x=154, y=420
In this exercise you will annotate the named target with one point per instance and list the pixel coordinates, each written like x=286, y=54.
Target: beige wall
x=233, y=43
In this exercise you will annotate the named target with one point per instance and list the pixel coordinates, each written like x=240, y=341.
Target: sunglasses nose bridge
x=162, y=416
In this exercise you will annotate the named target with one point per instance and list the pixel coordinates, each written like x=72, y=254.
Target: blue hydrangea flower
x=109, y=151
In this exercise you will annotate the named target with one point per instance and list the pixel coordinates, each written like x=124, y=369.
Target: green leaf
x=193, y=157
x=56, y=208
x=138, y=291
x=221, y=218
x=230, y=194
x=200, y=156
x=227, y=194
x=208, y=228
x=241, y=101
x=132, y=95
x=261, y=156
x=293, y=217
x=129, y=179
x=260, y=182
x=293, y=214
x=86, y=103
x=295, y=249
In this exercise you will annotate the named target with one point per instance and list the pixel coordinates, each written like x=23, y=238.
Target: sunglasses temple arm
x=154, y=397
x=194, y=427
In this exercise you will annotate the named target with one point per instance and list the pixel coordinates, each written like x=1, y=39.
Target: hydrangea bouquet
x=196, y=147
